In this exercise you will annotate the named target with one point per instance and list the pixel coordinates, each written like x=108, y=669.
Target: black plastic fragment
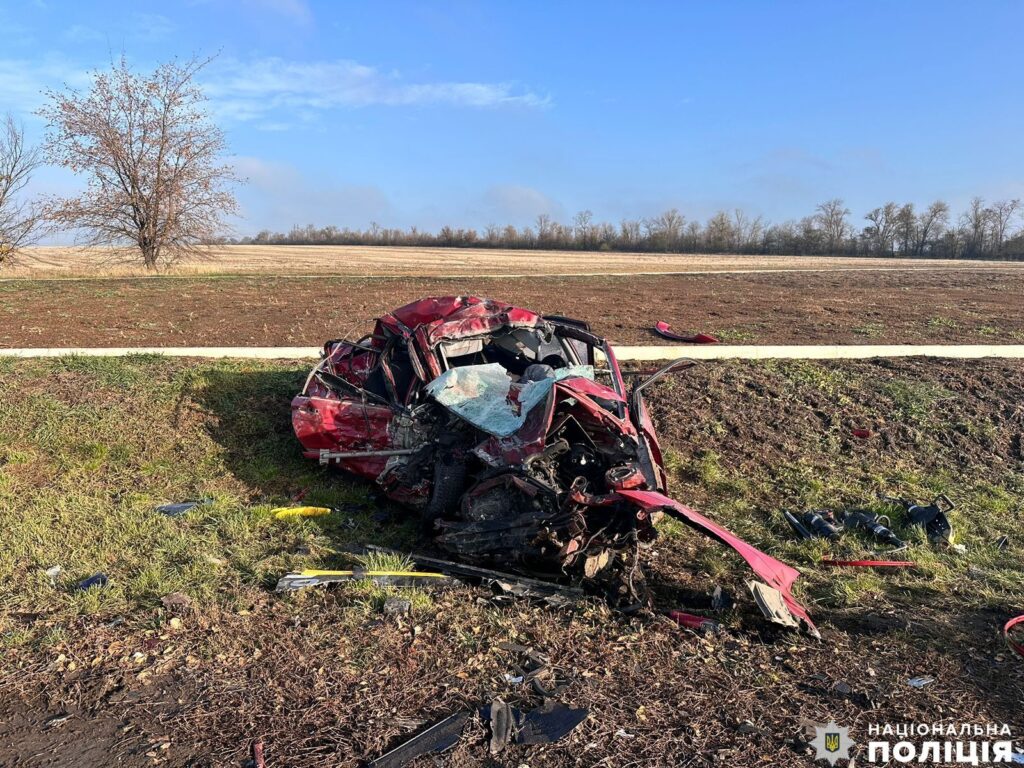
x=812, y=525
x=550, y=723
x=502, y=720
x=867, y=520
x=439, y=737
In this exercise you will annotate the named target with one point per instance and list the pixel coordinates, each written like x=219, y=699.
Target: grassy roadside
x=90, y=446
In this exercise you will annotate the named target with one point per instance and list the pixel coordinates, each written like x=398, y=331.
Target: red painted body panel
x=776, y=573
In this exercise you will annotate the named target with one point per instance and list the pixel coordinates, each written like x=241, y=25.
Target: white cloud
x=296, y=10
x=247, y=90
x=22, y=82
x=278, y=196
x=151, y=26
x=81, y=33
x=517, y=204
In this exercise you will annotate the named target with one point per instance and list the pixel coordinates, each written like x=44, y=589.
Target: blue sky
x=469, y=113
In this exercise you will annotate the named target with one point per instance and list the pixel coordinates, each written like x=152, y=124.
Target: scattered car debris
x=290, y=513
x=869, y=563
x=772, y=604
x=521, y=586
x=861, y=433
x=397, y=607
x=720, y=600
x=693, y=621
x=96, y=580
x=1002, y=543
x=312, y=578
x=664, y=330
x=549, y=723
x=516, y=438
x=866, y=520
x=921, y=682
x=932, y=517
x=812, y=525
x=502, y=721
x=545, y=725
x=181, y=507
x=56, y=721
x=176, y=600
x=1015, y=646
x=439, y=737
x=52, y=573
x=258, y=761
x=535, y=668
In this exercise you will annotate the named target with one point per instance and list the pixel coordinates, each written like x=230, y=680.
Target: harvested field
x=843, y=308
x=88, y=447
x=56, y=262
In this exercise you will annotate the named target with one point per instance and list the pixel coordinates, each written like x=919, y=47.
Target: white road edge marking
x=978, y=267
x=623, y=353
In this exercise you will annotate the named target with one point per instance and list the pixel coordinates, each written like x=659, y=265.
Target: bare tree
x=882, y=230
x=931, y=224
x=1002, y=213
x=19, y=218
x=831, y=217
x=544, y=229
x=151, y=155
x=629, y=233
x=582, y=229
x=975, y=222
x=746, y=231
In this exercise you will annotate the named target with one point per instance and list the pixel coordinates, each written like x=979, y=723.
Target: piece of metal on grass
x=439, y=737
x=772, y=605
x=869, y=563
x=327, y=456
x=312, y=578
x=521, y=586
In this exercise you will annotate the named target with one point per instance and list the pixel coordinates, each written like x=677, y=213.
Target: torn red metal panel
x=776, y=573
x=1017, y=647
x=664, y=330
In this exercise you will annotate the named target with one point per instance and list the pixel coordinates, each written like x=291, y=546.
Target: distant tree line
x=983, y=231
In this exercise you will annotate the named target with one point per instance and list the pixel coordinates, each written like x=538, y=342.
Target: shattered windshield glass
x=491, y=400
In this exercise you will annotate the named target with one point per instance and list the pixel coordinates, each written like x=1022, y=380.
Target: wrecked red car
x=516, y=438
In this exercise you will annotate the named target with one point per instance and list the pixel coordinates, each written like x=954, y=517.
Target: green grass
x=736, y=335
x=940, y=322
x=871, y=330
x=827, y=471
x=89, y=447
x=915, y=401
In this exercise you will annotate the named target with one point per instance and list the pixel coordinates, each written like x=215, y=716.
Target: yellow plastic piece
x=372, y=574
x=287, y=513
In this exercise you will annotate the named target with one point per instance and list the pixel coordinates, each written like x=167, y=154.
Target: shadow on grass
x=251, y=421
x=250, y=418
x=969, y=641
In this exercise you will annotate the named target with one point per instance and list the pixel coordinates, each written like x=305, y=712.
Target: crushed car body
x=516, y=438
